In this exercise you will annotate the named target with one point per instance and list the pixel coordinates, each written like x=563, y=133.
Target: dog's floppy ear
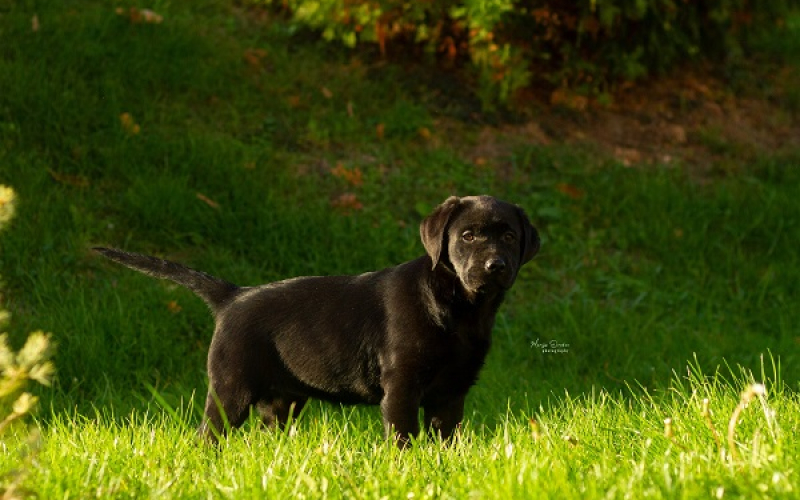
x=530, y=238
x=432, y=229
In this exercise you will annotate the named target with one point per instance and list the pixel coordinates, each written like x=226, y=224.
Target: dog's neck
x=452, y=290
x=453, y=306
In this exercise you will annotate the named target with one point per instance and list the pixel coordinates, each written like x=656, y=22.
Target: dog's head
x=483, y=240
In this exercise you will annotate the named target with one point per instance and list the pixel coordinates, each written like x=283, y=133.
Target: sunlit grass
x=593, y=445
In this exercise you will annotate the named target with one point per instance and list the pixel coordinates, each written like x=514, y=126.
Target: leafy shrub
x=16, y=370
x=585, y=45
x=590, y=44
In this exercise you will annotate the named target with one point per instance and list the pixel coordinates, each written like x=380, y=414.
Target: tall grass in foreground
x=598, y=445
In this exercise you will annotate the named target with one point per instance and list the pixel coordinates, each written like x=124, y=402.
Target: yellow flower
x=7, y=197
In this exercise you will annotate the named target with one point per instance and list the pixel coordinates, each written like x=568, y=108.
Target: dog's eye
x=468, y=236
x=509, y=237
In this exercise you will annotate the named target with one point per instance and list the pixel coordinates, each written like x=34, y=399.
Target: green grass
x=595, y=445
x=666, y=290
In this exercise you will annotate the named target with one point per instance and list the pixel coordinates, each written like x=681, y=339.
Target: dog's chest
x=456, y=366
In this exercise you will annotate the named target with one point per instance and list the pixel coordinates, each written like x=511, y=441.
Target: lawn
x=650, y=349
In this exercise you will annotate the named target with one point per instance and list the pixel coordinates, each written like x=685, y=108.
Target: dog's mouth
x=483, y=283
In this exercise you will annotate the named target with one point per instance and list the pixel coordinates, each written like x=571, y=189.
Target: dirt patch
x=692, y=119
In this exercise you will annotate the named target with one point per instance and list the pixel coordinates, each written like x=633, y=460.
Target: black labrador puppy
x=415, y=335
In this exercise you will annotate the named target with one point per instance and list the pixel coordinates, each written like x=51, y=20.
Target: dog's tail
x=214, y=291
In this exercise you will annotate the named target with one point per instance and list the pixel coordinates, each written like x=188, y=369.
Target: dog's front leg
x=400, y=410
x=443, y=417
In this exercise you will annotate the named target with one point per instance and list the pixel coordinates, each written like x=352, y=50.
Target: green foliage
x=17, y=369
x=586, y=45
x=592, y=43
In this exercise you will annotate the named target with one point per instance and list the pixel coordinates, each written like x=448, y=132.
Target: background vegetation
x=589, y=46
x=227, y=141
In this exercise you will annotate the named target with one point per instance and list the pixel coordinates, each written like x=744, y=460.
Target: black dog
x=415, y=335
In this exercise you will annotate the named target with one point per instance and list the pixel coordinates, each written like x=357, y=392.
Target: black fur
x=406, y=337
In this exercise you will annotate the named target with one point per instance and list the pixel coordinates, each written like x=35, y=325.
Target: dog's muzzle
x=495, y=265
x=494, y=274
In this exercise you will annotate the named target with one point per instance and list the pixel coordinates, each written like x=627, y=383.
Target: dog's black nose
x=495, y=265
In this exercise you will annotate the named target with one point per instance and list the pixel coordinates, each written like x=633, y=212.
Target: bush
x=590, y=44
x=584, y=45
x=17, y=369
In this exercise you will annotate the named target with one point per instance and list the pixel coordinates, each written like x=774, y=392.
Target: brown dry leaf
x=35, y=23
x=208, y=201
x=628, y=156
x=675, y=133
x=128, y=123
x=174, y=307
x=380, y=129
x=350, y=109
x=254, y=57
x=565, y=97
x=352, y=176
x=591, y=25
x=449, y=48
x=347, y=202
x=699, y=87
x=327, y=93
x=380, y=34
x=149, y=16
x=294, y=101
x=69, y=179
x=126, y=119
x=425, y=133
x=135, y=15
x=570, y=190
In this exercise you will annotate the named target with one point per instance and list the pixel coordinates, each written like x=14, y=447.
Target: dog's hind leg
x=279, y=411
x=224, y=410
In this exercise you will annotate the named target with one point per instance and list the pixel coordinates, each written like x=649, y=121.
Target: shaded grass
x=643, y=273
